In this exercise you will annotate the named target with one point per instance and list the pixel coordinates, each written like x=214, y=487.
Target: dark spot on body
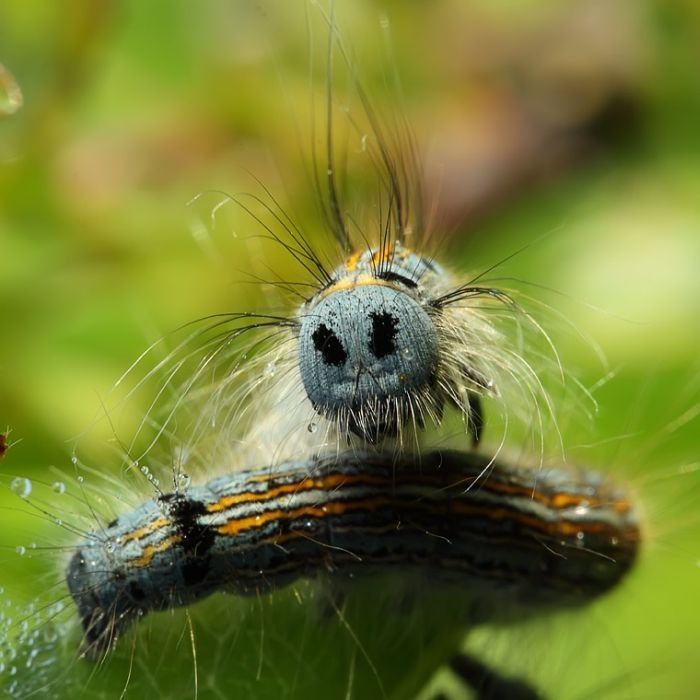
x=195, y=571
x=196, y=539
x=136, y=592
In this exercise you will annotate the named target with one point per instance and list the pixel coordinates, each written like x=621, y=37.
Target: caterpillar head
x=370, y=352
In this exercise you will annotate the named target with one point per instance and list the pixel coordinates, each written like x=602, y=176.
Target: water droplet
x=312, y=427
x=21, y=486
x=20, y=550
x=182, y=481
x=271, y=369
x=59, y=487
x=80, y=478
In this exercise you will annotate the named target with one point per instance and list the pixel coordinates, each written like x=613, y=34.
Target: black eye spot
x=327, y=343
x=384, y=330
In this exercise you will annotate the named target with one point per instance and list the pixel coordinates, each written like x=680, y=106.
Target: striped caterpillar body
x=516, y=540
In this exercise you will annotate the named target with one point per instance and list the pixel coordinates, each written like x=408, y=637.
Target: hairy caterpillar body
x=516, y=541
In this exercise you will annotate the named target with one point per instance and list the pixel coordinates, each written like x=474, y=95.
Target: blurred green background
x=569, y=127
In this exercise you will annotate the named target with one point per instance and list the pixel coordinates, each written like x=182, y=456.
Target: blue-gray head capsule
x=368, y=347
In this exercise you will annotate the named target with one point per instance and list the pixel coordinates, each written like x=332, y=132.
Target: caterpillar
x=516, y=541
x=385, y=347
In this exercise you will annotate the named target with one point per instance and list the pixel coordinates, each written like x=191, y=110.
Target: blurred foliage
x=569, y=128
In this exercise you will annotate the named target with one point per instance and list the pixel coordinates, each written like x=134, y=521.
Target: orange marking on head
x=351, y=262
x=383, y=254
x=351, y=282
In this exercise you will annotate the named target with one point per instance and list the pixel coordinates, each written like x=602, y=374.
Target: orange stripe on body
x=557, y=501
x=236, y=526
x=145, y=530
x=561, y=528
x=152, y=549
x=324, y=483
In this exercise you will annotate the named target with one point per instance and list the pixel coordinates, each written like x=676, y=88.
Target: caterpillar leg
x=487, y=683
x=476, y=418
